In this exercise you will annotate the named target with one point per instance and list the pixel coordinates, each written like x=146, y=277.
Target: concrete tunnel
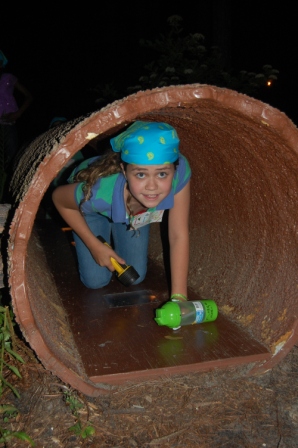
x=243, y=226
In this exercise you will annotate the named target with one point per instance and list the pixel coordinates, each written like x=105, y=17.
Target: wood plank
x=115, y=330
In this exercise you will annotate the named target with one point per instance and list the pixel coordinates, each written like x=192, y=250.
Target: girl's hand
x=102, y=254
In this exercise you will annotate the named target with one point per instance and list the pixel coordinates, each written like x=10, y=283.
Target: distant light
x=269, y=83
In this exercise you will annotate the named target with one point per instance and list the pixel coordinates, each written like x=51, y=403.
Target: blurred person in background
x=10, y=112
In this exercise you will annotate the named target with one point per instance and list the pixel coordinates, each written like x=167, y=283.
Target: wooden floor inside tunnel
x=114, y=327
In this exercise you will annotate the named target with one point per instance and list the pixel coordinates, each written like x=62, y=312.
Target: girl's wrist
x=179, y=297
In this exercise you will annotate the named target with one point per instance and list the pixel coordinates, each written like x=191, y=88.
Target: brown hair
x=105, y=166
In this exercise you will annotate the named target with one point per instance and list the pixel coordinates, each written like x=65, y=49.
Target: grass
x=9, y=358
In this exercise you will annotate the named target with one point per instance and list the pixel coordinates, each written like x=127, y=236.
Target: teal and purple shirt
x=108, y=192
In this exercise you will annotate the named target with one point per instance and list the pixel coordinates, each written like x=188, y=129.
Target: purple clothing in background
x=8, y=103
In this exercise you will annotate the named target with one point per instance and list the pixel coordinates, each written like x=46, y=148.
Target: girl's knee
x=140, y=278
x=95, y=282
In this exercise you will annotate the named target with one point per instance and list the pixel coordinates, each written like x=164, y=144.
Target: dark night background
x=59, y=53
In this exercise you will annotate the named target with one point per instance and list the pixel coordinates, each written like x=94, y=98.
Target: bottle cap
x=169, y=315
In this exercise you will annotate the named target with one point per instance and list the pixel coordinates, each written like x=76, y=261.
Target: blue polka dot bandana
x=147, y=143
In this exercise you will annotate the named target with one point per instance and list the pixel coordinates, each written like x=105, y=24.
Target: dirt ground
x=222, y=408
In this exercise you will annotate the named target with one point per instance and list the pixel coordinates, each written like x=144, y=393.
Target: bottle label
x=200, y=312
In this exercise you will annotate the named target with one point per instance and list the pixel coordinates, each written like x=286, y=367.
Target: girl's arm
x=179, y=241
x=64, y=200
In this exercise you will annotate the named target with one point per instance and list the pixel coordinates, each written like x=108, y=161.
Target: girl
x=119, y=195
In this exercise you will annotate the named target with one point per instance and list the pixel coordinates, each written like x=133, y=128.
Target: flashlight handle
x=120, y=268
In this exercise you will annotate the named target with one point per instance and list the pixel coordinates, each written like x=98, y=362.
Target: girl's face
x=150, y=184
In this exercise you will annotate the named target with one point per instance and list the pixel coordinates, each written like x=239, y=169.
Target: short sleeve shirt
x=107, y=196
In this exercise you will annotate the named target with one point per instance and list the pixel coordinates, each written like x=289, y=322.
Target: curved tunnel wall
x=243, y=229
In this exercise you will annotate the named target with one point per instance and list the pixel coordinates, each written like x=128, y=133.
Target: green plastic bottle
x=175, y=314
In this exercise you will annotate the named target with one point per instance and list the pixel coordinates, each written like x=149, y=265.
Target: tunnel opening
x=243, y=247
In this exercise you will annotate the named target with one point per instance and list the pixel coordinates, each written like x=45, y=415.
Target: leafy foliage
x=7, y=354
x=8, y=358
x=184, y=59
x=6, y=435
x=79, y=429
